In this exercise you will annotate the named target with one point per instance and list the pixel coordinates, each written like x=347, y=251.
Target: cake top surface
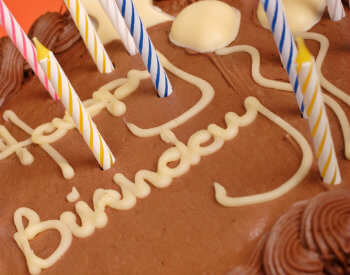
x=232, y=120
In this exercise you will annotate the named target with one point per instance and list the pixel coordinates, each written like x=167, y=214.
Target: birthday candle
x=74, y=107
x=113, y=13
x=284, y=42
x=89, y=35
x=24, y=45
x=335, y=9
x=146, y=48
x=317, y=117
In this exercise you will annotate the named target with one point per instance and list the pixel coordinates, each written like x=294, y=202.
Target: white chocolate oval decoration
x=205, y=26
x=301, y=15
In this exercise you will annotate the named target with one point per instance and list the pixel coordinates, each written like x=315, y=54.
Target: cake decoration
x=312, y=237
x=317, y=116
x=187, y=155
x=75, y=108
x=24, y=45
x=89, y=36
x=34, y=227
x=74, y=195
x=145, y=46
x=300, y=174
x=284, y=42
x=284, y=86
x=10, y=116
x=207, y=96
x=205, y=26
x=293, y=245
x=23, y=154
x=301, y=15
x=113, y=13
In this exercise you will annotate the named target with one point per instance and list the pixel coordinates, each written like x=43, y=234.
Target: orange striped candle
x=74, y=106
x=317, y=117
x=89, y=35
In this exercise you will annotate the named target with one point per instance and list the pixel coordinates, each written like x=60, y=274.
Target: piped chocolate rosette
x=312, y=237
x=55, y=30
x=326, y=230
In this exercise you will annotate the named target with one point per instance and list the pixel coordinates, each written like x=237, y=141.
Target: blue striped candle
x=145, y=46
x=285, y=43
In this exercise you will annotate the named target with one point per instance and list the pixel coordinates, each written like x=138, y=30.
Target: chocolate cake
x=185, y=228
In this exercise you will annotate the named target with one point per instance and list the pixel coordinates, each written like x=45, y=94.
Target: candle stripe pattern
x=113, y=13
x=146, y=48
x=317, y=117
x=89, y=35
x=335, y=9
x=285, y=43
x=24, y=45
x=74, y=107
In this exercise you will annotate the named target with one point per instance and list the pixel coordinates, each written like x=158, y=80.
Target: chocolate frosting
x=284, y=252
x=312, y=237
x=180, y=229
x=11, y=69
x=56, y=31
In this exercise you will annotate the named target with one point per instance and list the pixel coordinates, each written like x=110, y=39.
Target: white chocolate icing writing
x=301, y=15
x=73, y=196
x=186, y=155
x=207, y=95
x=9, y=144
x=306, y=162
x=34, y=227
x=52, y=131
x=255, y=55
x=67, y=170
x=205, y=26
x=285, y=86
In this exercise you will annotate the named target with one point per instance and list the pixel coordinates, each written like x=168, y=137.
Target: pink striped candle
x=24, y=45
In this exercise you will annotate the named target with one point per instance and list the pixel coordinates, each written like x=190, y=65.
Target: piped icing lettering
x=103, y=98
x=186, y=155
x=285, y=86
x=34, y=227
x=73, y=196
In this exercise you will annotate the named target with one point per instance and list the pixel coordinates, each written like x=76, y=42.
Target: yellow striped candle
x=317, y=117
x=89, y=35
x=74, y=106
